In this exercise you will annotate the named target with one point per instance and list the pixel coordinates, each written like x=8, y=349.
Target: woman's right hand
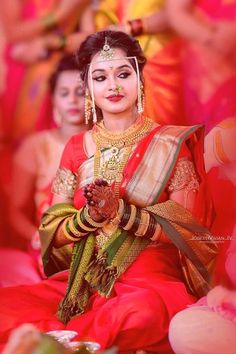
x=101, y=200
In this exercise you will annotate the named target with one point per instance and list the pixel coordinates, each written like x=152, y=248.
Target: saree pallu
x=137, y=312
x=162, y=72
x=25, y=102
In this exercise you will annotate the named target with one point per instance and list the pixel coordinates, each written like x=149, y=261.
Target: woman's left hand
x=101, y=199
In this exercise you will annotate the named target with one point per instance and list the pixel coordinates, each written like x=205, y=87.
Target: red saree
x=137, y=313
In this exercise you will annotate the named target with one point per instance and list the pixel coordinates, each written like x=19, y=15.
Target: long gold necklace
x=119, y=147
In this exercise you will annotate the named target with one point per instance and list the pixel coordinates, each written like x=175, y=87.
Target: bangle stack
x=79, y=225
x=140, y=222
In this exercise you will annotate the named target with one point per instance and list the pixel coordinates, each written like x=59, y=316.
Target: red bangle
x=136, y=27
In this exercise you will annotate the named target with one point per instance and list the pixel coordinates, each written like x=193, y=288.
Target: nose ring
x=118, y=90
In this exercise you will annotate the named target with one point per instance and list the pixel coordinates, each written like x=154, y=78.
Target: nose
x=112, y=83
x=73, y=97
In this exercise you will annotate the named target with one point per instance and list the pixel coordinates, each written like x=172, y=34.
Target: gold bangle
x=144, y=223
x=91, y=221
x=116, y=220
x=157, y=233
x=66, y=234
x=73, y=229
x=132, y=217
x=80, y=223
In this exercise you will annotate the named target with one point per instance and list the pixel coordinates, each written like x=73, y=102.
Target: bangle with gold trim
x=91, y=221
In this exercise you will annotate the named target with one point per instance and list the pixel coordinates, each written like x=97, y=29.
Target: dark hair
x=67, y=63
x=116, y=39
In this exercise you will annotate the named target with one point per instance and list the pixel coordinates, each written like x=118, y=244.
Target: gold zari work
x=65, y=183
x=184, y=177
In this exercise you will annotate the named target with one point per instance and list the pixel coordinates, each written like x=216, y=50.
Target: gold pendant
x=110, y=167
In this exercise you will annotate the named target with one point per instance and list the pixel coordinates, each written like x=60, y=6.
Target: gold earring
x=141, y=99
x=87, y=107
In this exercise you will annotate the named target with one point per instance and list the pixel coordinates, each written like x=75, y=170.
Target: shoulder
x=180, y=131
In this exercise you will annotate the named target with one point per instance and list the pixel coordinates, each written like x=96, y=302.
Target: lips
x=73, y=111
x=115, y=98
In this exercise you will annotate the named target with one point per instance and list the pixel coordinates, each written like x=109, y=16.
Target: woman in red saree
x=35, y=164
x=123, y=195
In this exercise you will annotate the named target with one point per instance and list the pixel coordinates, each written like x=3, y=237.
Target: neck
x=119, y=122
x=66, y=131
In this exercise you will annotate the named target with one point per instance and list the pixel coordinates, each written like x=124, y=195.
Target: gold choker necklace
x=112, y=169
x=104, y=138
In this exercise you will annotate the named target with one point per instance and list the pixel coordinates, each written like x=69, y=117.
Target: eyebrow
x=119, y=67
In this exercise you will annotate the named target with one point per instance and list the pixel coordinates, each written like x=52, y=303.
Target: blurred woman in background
x=35, y=164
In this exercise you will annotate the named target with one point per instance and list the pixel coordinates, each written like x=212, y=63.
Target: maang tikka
x=107, y=52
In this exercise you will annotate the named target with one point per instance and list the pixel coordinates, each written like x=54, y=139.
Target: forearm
x=22, y=30
x=158, y=22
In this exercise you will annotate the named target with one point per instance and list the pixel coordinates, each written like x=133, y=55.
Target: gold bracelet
x=73, y=229
x=66, y=234
x=131, y=218
x=144, y=223
x=80, y=223
x=91, y=221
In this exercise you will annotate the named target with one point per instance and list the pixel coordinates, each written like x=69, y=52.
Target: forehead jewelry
x=107, y=52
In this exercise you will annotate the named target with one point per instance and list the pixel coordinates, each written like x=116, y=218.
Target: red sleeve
x=73, y=154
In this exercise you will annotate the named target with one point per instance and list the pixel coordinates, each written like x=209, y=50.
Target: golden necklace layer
x=118, y=148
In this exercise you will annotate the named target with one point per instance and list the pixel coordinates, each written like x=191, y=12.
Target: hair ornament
x=107, y=52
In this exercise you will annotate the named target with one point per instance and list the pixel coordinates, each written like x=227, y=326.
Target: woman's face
x=114, y=83
x=68, y=98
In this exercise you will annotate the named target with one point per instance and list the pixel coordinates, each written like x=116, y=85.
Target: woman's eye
x=64, y=93
x=124, y=75
x=99, y=78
